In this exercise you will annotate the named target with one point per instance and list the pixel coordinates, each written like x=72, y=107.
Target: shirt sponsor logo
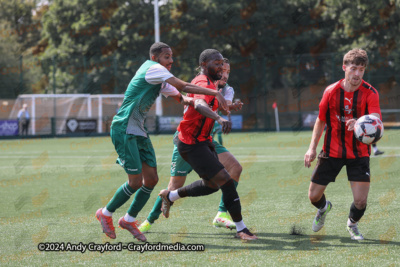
x=343, y=118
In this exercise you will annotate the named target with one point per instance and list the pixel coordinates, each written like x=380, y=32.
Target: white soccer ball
x=368, y=129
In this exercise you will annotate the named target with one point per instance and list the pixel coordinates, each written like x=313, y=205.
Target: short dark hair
x=226, y=60
x=156, y=48
x=356, y=56
x=207, y=54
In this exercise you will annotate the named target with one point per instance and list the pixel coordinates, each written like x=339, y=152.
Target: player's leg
x=318, y=199
x=360, y=194
x=325, y=172
x=232, y=202
x=175, y=183
x=358, y=173
x=204, y=160
x=121, y=196
x=377, y=152
x=20, y=125
x=25, y=128
x=128, y=158
x=129, y=221
x=150, y=180
x=222, y=219
x=179, y=169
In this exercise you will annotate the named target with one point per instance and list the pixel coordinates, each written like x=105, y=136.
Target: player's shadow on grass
x=281, y=241
x=316, y=239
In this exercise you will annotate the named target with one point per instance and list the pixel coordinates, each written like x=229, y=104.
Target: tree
x=20, y=30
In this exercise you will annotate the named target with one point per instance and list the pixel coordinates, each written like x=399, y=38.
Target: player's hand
x=187, y=100
x=222, y=101
x=350, y=124
x=237, y=105
x=309, y=157
x=225, y=124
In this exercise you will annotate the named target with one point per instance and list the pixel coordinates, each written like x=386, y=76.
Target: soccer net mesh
x=49, y=113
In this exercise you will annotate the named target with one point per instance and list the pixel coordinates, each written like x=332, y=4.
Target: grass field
x=51, y=188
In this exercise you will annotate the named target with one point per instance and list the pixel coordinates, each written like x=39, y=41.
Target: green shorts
x=179, y=167
x=132, y=150
x=216, y=129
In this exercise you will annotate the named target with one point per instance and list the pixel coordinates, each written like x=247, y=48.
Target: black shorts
x=202, y=157
x=328, y=168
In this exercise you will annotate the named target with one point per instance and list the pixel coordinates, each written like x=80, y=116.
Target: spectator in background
x=23, y=120
x=118, y=107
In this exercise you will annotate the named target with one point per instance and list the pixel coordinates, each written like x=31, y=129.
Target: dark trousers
x=23, y=127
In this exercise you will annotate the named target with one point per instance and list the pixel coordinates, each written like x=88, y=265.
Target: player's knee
x=237, y=171
x=211, y=185
x=135, y=183
x=150, y=182
x=360, y=204
x=221, y=178
x=313, y=197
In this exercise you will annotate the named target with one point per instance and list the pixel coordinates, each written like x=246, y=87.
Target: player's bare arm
x=202, y=107
x=184, y=100
x=312, y=150
x=195, y=89
x=350, y=123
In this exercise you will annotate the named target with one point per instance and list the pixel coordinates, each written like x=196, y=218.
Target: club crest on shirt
x=347, y=109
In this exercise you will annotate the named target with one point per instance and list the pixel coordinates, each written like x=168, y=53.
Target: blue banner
x=237, y=121
x=8, y=127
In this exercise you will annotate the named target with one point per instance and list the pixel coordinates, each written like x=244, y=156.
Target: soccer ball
x=368, y=129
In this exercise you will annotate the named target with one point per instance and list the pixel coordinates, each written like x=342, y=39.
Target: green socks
x=141, y=197
x=120, y=197
x=156, y=211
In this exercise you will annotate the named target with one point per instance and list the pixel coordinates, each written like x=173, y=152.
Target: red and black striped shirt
x=195, y=127
x=336, y=108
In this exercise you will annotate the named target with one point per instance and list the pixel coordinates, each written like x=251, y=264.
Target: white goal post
x=43, y=107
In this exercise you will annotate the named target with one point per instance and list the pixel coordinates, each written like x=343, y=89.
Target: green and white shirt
x=142, y=91
x=228, y=92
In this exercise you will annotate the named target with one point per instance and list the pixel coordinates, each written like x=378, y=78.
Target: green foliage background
x=96, y=46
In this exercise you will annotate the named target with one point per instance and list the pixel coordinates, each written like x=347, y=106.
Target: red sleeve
x=323, y=106
x=207, y=98
x=373, y=103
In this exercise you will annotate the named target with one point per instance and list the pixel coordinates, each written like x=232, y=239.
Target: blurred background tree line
x=95, y=46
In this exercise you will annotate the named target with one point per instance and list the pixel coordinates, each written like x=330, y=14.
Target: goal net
x=49, y=113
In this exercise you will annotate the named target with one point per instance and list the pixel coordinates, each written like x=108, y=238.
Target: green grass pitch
x=51, y=188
